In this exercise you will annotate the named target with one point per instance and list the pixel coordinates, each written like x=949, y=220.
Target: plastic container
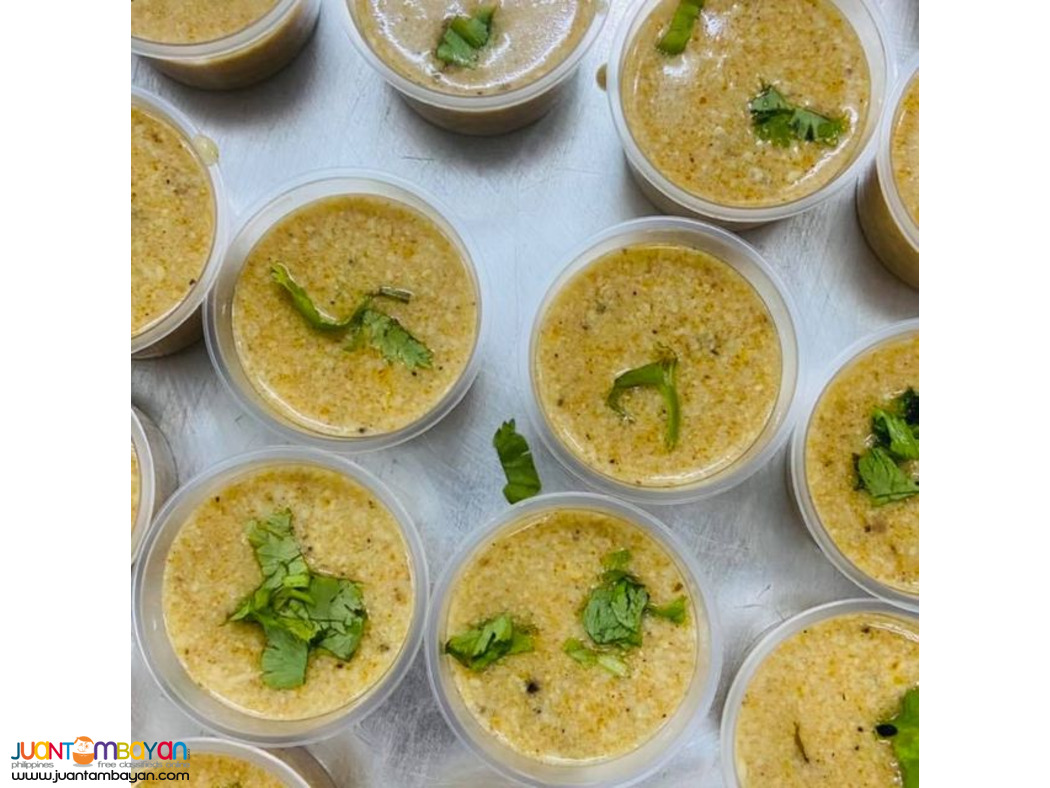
x=625, y=769
x=867, y=22
x=479, y=115
x=158, y=476
x=800, y=484
x=294, y=767
x=888, y=227
x=767, y=644
x=151, y=633
x=218, y=308
x=746, y=261
x=182, y=326
x=243, y=58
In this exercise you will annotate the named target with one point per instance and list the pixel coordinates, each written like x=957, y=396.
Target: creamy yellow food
x=530, y=38
x=343, y=530
x=194, y=21
x=135, y=483
x=808, y=716
x=207, y=770
x=904, y=150
x=689, y=114
x=172, y=219
x=541, y=573
x=881, y=541
x=620, y=313
x=339, y=249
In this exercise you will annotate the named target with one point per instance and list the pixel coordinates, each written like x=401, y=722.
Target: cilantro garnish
x=491, y=640
x=588, y=657
x=659, y=375
x=675, y=40
x=896, y=437
x=777, y=120
x=464, y=36
x=903, y=733
x=514, y=454
x=297, y=608
x=367, y=325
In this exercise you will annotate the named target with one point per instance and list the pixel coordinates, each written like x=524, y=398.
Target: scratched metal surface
x=526, y=199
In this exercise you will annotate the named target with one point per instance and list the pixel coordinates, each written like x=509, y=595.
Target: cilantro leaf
x=587, y=656
x=659, y=375
x=895, y=434
x=618, y=559
x=304, y=305
x=885, y=481
x=903, y=732
x=464, y=36
x=283, y=659
x=386, y=334
x=613, y=612
x=908, y=404
x=675, y=40
x=516, y=458
x=489, y=641
x=777, y=120
x=672, y=611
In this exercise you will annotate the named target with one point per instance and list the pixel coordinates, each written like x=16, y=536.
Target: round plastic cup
x=766, y=646
x=181, y=327
x=294, y=767
x=479, y=115
x=218, y=308
x=888, y=227
x=746, y=261
x=870, y=28
x=800, y=484
x=148, y=611
x=626, y=769
x=158, y=476
x=242, y=58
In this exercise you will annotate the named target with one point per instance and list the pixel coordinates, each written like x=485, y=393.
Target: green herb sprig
x=895, y=432
x=588, y=657
x=903, y=732
x=516, y=458
x=680, y=31
x=489, y=641
x=464, y=37
x=777, y=120
x=659, y=375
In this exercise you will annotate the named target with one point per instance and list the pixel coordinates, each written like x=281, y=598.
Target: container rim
x=744, y=216
x=147, y=481
x=767, y=642
x=277, y=205
x=282, y=733
x=883, y=158
x=687, y=565
x=786, y=408
x=474, y=104
x=797, y=467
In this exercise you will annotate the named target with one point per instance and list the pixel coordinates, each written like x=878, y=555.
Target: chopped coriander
x=675, y=40
x=672, y=611
x=895, y=435
x=464, y=36
x=588, y=656
x=659, y=375
x=908, y=403
x=514, y=454
x=903, y=732
x=304, y=305
x=884, y=480
x=489, y=641
x=777, y=120
x=895, y=431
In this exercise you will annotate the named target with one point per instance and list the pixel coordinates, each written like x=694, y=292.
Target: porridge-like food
x=354, y=315
x=194, y=21
x=135, y=484
x=674, y=311
x=904, y=151
x=172, y=219
x=862, y=462
x=523, y=40
x=813, y=715
x=759, y=104
x=558, y=681
x=304, y=546
x=207, y=770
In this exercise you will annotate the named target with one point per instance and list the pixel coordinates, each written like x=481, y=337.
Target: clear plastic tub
x=288, y=198
x=746, y=261
x=767, y=644
x=888, y=227
x=868, y=23
x=158, y=476
x=623, y=770
x=800, y=485
x=294, y=767
x=151, y=633
x=241, y=59
x=182, y=326
x=479, y=115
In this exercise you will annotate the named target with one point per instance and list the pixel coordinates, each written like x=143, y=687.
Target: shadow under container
x=800, y=483
x=293, y=767
x=151, y=632
x=888, y=227
x=626, y=769
x=767, y=644
x=670, y=198
x=746, y=261
x=181, y=327
x=487, y=115
x=218, y=309
x=243, y=58
x=158, y=476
